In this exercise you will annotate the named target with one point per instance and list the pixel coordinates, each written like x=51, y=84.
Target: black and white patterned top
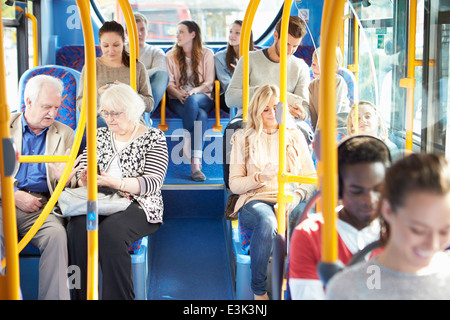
x=145, y=158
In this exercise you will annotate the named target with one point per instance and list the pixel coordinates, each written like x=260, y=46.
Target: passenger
x=35, y=132
x=261, y=64
x=113, y=67
x=191, y=81
x=415, y=211
x=253, y=176
x=362, y=162
x=225, y=61
x=132, y=159
x=371, y=123
x=154, y=60
x=342, y=102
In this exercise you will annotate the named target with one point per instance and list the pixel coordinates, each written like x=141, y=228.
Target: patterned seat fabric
x=350, y=80
x=73, y=56
x=70, y=78
x=245, y=234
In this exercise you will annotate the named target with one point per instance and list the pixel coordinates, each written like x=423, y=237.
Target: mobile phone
x=98, y=170
x=110, y=83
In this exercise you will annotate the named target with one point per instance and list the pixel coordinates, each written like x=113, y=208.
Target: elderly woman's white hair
x=122, y=98
x=34, y=86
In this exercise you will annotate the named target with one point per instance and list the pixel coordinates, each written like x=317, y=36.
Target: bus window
x=18, y=47
x=213, y=16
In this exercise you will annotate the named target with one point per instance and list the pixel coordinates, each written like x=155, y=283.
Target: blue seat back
x=73, y=56
x=352, y=85
x=70, y=78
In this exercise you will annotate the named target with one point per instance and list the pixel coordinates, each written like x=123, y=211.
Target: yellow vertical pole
x=35, y=39
x=333, y=10
x=91, y=103
x=35, y=35
x=134, y=45
x=243, y=51
x=410, y=82
x=281, y=198
x=10, y=282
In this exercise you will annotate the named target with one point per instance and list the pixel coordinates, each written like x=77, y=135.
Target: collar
x=26, y=127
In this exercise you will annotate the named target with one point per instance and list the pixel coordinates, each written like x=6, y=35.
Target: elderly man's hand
x=27, y=202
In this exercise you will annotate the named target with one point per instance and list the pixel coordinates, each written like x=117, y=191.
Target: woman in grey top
x=225, y=61
x=415, y=215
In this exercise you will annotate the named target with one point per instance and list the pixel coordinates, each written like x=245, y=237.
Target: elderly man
x=35, y=132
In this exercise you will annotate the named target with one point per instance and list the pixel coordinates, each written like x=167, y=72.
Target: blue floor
x=189, y=261
x=189, y=255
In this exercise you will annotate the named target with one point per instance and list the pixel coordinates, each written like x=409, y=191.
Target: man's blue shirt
x=32, y=176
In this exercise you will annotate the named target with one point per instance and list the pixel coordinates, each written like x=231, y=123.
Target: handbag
x=73, y=202
x=229, y=207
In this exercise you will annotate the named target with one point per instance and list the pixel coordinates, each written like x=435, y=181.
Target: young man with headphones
x=362, y=162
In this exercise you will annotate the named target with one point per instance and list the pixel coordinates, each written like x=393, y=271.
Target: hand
x=195, y=91
x=269, y=172
x=102, y=89
x=58, y=169
x=27, y=202
x=182, y=95
x=235, y=64
x=297, y=111
x=106, y=180
x=83, y=177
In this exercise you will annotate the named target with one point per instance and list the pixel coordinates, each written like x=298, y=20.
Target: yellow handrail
x=410, y=82
x=35, y=38
x=35, y=35
x=282, y=199
x=10, y=282
x=332, y=14
x=134, y=45
x=163, y=126
x=90, y=97
x=284, y=177
x=217, y=127
x=244, y=46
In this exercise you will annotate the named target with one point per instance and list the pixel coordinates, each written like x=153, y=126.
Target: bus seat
x=67, y=113
x=305, y=53
x=245, y=234
x=29, y=264
x=243, y=271
x=72, y=56
x=352, y=86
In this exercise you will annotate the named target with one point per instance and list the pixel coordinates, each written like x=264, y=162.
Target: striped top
x=145, y=158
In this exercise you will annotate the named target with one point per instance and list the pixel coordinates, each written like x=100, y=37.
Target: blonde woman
x=253, y=176
x=342, y=102
x=370, y=122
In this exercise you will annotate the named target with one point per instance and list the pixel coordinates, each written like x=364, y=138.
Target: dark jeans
x=195, y=109
x=260, y=217
x=115, y=235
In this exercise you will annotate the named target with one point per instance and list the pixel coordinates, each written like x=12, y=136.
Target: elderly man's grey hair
x=34, y=86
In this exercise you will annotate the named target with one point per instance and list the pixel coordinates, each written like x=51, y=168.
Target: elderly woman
x=253, y=176
x=133, y=160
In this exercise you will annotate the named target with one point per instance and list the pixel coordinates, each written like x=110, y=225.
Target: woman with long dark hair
x=191, y=80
